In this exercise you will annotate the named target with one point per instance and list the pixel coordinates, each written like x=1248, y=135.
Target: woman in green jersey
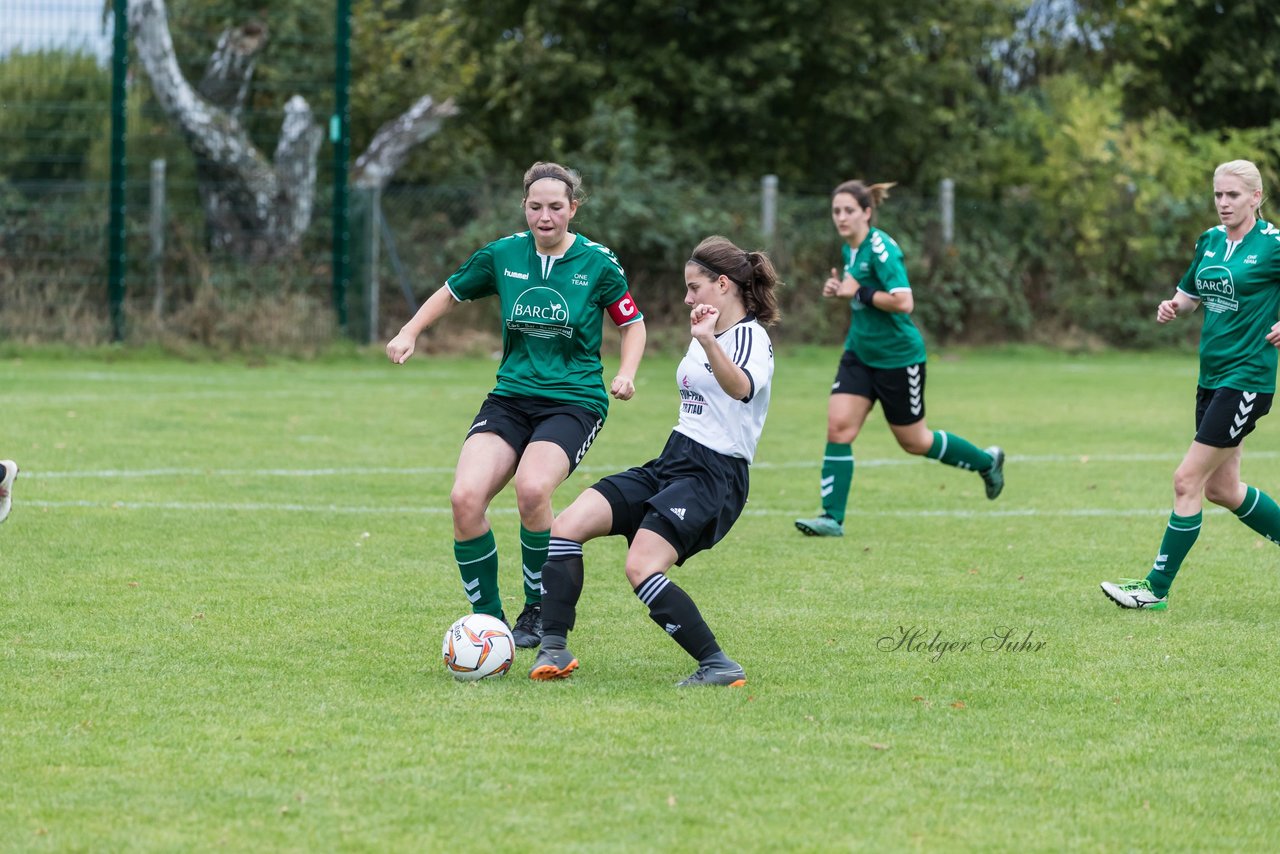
x=1235, y=275
x=884, y=360
x=555, y=287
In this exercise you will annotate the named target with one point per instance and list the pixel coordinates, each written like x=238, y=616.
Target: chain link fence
x=1008, y=269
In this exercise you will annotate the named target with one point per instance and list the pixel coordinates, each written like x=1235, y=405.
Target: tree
x=256, y=208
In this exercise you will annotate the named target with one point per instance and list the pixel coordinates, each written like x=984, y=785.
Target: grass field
x=222, y=592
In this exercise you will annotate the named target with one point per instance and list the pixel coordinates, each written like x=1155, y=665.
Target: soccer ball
x=478, y=646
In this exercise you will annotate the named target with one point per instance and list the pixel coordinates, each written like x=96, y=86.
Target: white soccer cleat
x=6, y=486
x=1134, y=593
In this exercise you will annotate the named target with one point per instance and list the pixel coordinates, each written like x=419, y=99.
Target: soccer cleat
x=552, y=664
x=528, y=628
x=1135, y=593
x=994, y=476
x=731, y=675
x=6, y=485
x=820, y=526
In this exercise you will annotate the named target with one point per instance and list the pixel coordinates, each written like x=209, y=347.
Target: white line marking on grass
x=356, y=510
x=354, y=471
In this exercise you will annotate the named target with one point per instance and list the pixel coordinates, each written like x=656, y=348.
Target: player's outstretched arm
x=400, y=348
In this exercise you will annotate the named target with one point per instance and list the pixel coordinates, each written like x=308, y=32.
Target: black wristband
x=865, y=294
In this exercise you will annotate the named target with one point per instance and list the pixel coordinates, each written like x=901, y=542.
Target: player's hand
x=702, y=320
x=400, y=348
x=1273, y=337
x=1166, y=311
x=622, y=388
x=831, y=287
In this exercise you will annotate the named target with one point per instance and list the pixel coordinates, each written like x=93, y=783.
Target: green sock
x=533, y=554
x=478, y=564
x=1261, y=513
x=1179, y=537
x=837, y=477
x=952, y=450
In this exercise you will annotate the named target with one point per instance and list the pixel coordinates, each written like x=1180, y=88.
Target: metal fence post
x=769, y=208
x=156, y=227
x=339, y=135
x=116, y=225
x=947, y=210
x=375, y=283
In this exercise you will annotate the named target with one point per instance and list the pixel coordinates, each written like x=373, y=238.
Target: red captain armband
x=624, y=310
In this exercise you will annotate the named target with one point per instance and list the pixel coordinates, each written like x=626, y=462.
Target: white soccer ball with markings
x=478, y=646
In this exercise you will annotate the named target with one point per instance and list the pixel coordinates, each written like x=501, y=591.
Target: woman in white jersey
x=555, y=288
x=1235, y=274
x=688, y=498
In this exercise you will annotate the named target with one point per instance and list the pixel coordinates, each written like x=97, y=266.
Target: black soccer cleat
x=528, y=628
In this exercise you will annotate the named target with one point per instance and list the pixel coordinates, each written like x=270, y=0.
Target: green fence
x=1012, y=270
x=65, y=193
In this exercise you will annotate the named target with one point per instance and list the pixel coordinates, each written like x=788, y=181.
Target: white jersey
x=707, y=414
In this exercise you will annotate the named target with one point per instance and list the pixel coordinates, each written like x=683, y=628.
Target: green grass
x=222, y=592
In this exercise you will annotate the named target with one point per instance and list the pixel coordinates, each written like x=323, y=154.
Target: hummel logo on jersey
x=1209, y=254
x=671, y=628
x=479, y=424
x=510, y=275
x=678, y=512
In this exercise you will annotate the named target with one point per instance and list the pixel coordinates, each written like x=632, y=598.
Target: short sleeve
x=1188, y=282
x=886, y=260
x=475, y=279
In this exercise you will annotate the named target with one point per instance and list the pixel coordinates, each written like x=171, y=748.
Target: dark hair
x=867, y=195
x=752, y=272
x=541, y=170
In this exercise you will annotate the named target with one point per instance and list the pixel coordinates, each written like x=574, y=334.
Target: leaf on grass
x=877, y=746
x=133, y=584
x=671, y=800
x=959, y=704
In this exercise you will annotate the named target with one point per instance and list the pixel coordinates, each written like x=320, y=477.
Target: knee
x=841, y=434
x=1228, y=496
x=466, y=501
x=914, y=445
x=1186, y=484
x=637, y=571
x=532, y=497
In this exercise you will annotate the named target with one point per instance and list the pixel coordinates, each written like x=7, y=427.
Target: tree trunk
x=257, y=209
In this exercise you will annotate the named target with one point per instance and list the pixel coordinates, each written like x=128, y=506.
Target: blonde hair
x=1247, y=172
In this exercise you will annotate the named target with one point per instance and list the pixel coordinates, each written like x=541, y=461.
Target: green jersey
x=552, y=315
x=880, y=339
x=1238, y=286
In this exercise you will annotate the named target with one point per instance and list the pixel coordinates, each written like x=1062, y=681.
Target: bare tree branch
x=393, y=141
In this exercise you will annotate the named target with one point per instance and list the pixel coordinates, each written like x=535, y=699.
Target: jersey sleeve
x=615, y=296
x=476, y=278
x=748, y=346
x=886, y=260
x=1187, y=284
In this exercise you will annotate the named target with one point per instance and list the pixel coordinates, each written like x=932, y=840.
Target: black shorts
x=899, y=390
x=521, y=420
x=1224, y=416
x=690, y=496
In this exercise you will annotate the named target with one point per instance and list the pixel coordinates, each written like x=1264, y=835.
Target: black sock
x=562, y=576
x=673, y=610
